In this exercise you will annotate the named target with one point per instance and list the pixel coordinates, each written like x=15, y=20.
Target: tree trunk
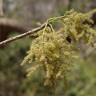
x=1, y=8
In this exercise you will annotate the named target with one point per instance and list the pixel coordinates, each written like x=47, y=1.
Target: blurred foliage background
x=13, y=81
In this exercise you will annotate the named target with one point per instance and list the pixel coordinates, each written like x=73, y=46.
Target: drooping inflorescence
x=55, y=49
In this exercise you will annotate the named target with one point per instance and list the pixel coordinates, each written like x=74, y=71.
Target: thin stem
x=22, y=35
x=30, y=32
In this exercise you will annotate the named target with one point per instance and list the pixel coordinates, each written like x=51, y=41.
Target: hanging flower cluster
x=55, y=49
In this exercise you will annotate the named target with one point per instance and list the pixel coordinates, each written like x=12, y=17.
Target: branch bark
x=22, y=35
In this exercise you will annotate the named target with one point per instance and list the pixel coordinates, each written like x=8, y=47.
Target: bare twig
x=22, y=35
x=29, y=32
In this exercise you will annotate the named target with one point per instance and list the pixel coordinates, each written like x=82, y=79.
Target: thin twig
x=29, y=32
x=22, y=35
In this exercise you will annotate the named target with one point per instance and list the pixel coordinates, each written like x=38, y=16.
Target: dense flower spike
x=55, y=49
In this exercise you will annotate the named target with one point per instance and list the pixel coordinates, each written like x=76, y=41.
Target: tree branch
x=22, y=35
